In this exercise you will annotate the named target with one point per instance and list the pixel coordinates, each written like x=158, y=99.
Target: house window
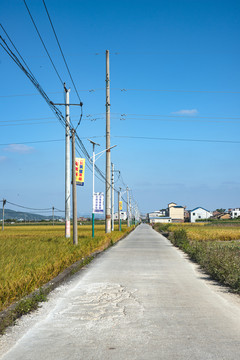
x=199, y=217
x=193, y=214
x=235, y=214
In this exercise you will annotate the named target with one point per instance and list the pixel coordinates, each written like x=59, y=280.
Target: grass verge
x=219, y=259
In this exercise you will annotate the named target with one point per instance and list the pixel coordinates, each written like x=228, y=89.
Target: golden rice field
x=202, y=231
x=30, y=256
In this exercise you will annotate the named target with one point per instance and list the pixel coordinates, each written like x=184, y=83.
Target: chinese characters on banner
x=98, y=203
x=80, y=171
x=120, y=205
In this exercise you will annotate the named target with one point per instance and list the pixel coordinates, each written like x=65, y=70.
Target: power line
x=34, y=81
x=236, y=117
x=197, y=120
x=25, y=207
x=53, y=108
x=31, y=142
x=46, y=210
x=30, y=119
x=16, y=95
x=180, y=91
x=15, y=48
x=42, y=41
x=27, y=124
x=178, y=139
x=61, y=49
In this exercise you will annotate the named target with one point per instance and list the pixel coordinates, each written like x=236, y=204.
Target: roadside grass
x=33, y=255
x=216, y=250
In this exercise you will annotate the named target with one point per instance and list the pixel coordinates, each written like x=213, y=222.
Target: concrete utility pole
x=130, y=206
x=93, y=185
x=108, y=157
x=112, y=197
x=67, y=161
x=67, y=166
x=53, y=215
x=74, y=192
x=128, y=222
x=4, y=202
x=119, y=213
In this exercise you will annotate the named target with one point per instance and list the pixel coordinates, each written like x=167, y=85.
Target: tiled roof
x=199, y=207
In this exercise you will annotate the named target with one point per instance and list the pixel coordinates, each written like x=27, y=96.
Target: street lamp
x=94, y=158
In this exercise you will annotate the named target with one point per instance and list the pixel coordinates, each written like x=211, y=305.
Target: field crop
x=208, y=232
x=30, y=256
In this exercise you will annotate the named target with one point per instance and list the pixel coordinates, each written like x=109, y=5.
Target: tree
x=222, y=211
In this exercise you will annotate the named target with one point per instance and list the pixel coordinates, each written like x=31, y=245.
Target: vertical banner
x=98, y=203
x=80, y=171
x=120, y=205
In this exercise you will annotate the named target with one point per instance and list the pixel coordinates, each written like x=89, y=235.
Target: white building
x=235, y=213
x=123, y=215
x=199, y=213
x=163, y=219
x=155, y=214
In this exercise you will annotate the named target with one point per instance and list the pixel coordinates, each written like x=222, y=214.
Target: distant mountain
x=20, y=215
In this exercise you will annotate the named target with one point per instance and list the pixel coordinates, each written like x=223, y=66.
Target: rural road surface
x=142, y=299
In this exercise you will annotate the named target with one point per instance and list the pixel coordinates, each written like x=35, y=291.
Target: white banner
x=98, y=203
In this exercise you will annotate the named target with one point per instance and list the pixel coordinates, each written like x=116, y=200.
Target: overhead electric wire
x=177, y=139
x=31, y=142
x=197, y=120
x=27, y=124
x=25, y=207
x=180, y=91
x=15, y=49
x=56, y=111
x=60, y=48
x=32, y=78
x=236, y=117
x=40, y=37
x=16, y=95
x=29, y=119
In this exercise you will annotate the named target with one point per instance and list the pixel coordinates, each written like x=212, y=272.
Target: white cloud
x=187, y=112
x=3, y=158
x=19, y=148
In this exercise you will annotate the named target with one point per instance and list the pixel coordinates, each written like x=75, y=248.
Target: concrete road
x=141, y=299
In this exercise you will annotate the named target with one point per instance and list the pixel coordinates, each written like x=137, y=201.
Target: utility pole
x=53, y=215
x=112, y=197
x=130, y=206
x=74, y=192
x=67, y=165
x=108, y=157
x=128, y=222
x=93, y=185
x=119, y=213
x=67, y=161
x=4, y=202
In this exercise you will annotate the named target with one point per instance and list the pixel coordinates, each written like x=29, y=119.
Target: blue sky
x=174, y=70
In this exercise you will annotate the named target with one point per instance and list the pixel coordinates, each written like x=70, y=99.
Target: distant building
x=235, y=213
x=155, y=214
x=199, y=213
x=81, y=218
x=163, y=219
x=175, y=212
